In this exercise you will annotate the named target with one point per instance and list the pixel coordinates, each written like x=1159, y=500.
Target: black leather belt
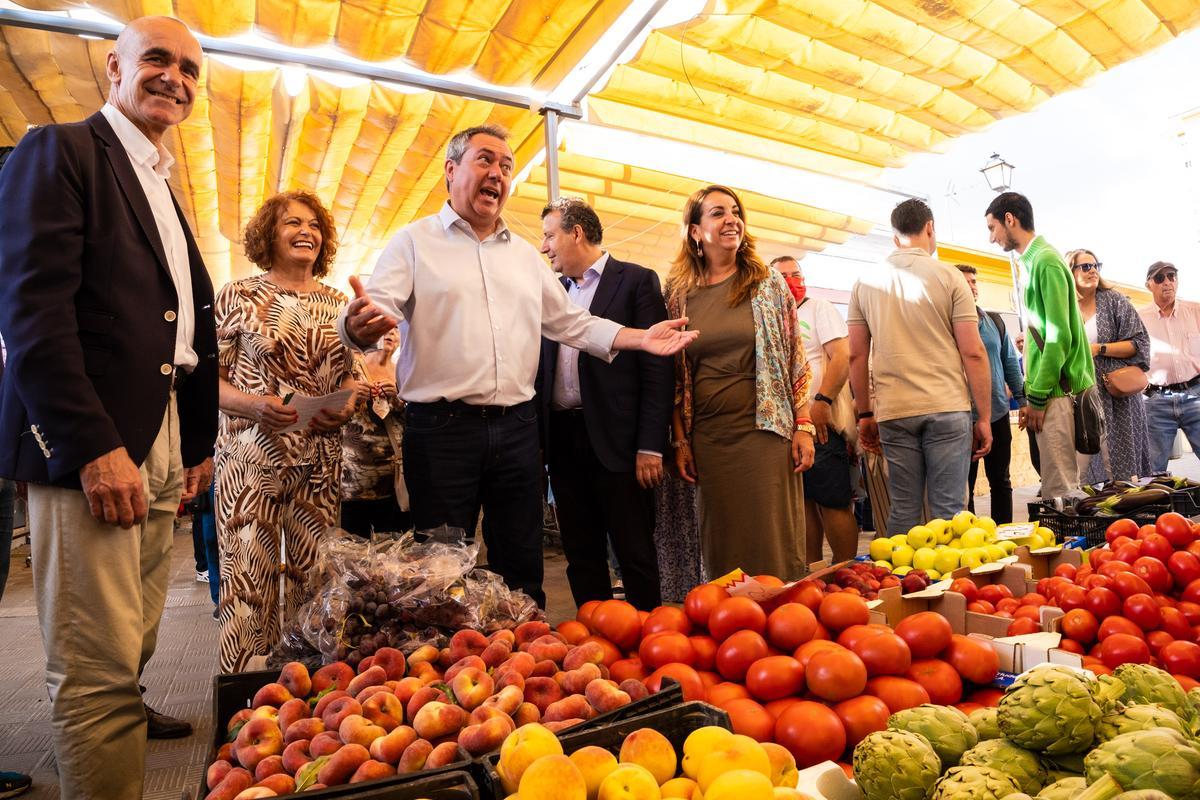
x=1173, y=387
x=457, y=408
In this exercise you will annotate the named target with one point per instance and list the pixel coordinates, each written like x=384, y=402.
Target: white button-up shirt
x=1174, y=343
x=152, y=165
x=566, y=393
x=473, y=312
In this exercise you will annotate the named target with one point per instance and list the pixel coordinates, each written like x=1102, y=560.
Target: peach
x=444, y=658
x=521, y=748
x=467, y=643
x=414, y=756
x=266, y=712
x=527, y=713
x=236, y=781
x=507, y=699
x=521, y=663
x=357, y=729
x=392, y=661
x=683, y=788
x=604, y=696
x=576, y=681
x=294, y=709
x=369, y=692
x=272, y=694
x=788, y=793
x=545, y=668
x=306, y=728
x=216, y=773
x=295, y=678
x=588, y=652
x=323, y=703
x=571, y=707
x=509, y=677
x=389, y=748
x=225, y=752
x=258, y=739
x=528, y=631
x=424, y=695
x=563, y=724
x=342, y=764
x=425, y=652
x=503, y=635
x=255, y=792
x=307, y=775
x=338, y=710
x=406, y=688
x=372, y=770
x=426, y=671
x=553, y=777
x=238, y=720
x=384, y=709
x=650, y=749
x=486, y=736
x=337, y=674
x=271, y=765
x=496, y=653
x=436, y=719
x=628, y=782
x=295, y=756
x=549, y=648
x=365, y=664
x=699, y=744
x=465, y=662
x=280, y=783
x=783, y=764
x=634, y=688
x=472, y=686
x=734, y=754
x=443, y=754
x=740, y=784
x=594, y=763
x=324, y=744
x=542, y=691
x=375, y=676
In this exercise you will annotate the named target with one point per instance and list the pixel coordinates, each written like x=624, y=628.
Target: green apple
x=974, y=537
x=972, y=557
x=962, y=521
x=947, y=560
x=881, y=549
x=899, y=538
x=924, y=558
x=955, y=544
x=987, y=523
x=1008, y=546
x=920, y=536
x=902, y=555
x=994, y=551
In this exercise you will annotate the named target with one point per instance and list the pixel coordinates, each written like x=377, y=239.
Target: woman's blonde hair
x=687, y=270
x=1073, y=255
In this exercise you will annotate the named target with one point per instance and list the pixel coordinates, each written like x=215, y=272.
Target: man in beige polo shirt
x=1173, y=397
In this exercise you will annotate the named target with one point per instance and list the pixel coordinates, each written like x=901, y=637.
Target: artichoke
x=1143, y=794
x=1159, y=758
x=1063, y=789
x=1016, y=796
x=1137, y=718
x=1109, y=693
x=986, y=726
x=1050, y=709
x=1019, y=764
x=973, y=783
x=1053, y=773
x=946, y=728
x=895, y=764
x=1069, y=763
x=1147, y=685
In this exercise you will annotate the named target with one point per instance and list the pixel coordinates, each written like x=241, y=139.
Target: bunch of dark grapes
x=372, y=621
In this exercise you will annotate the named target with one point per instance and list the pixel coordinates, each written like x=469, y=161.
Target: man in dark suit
x=605, y=425
x=108, y=405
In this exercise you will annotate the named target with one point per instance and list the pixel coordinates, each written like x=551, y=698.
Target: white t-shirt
x=1089, y=328
x=820, y=324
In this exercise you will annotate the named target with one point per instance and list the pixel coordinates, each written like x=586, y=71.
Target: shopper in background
x=1173, y=396
x=915, y=321
x=828, y=494
x=1118, y=340
x=374, y=495
x=1057, y=356
x=277, y=491
x=742, y=427
x=1005, y=368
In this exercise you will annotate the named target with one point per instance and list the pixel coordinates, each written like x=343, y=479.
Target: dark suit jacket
x=84, y=296
x=626, y=403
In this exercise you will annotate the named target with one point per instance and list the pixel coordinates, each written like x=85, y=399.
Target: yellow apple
x=881, y=549
x=902, y=555
x=947, y=560
x=924, y=558
x=920, y=536
x=974, y=537
x=962, y=521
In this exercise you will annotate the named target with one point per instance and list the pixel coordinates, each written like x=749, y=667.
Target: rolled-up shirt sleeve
x=568, y=324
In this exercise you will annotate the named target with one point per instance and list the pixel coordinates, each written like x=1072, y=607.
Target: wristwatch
x=822, y=398
x=805, y=425
x=865, y=414
x=1103, y=349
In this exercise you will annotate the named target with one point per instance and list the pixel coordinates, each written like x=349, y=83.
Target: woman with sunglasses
x=1118, y=339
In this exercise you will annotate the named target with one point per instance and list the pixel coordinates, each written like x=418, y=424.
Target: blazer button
x=165, y=369
x=169, y=316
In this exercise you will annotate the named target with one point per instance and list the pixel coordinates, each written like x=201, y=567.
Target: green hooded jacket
x=1054, y=315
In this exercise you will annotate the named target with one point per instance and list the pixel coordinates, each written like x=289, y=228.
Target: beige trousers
x=1056, y=446
x=100, y=594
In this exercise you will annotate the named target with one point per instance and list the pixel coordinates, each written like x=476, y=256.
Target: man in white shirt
x=828, y=495
x=1173, y=396
x=473, y=301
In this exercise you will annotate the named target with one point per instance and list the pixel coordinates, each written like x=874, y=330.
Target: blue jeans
x=1166, y=413
x=929, y=455
x=207, y=520
x=8, y=496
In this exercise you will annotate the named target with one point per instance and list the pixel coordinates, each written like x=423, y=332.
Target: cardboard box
x=828, y=781
x=895, y=606
x=1043, y=562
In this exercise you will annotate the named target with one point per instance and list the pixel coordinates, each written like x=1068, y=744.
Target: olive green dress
x=751, y=502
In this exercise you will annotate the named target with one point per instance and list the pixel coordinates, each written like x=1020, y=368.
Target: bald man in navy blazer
x=108, y=405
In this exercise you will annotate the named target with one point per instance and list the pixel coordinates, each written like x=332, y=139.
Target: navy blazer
x=88, y=311
x=626, y=403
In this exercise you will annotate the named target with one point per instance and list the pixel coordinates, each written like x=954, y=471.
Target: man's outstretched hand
x=667, y=338
x=365, y=321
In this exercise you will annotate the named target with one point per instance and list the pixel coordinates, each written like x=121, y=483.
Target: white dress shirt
x=1174, y=342
x=566, y=393
x=152, y=165
x=473, y=312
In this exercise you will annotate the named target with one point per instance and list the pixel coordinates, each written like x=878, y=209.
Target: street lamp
x=998, y=173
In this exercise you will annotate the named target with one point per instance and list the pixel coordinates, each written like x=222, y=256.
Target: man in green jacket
x=1058, y=359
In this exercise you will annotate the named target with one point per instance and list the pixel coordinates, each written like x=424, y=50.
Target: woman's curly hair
x=259, y=239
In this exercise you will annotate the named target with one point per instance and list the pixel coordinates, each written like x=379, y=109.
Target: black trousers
x=595, y=505
x=995, y=466
x=384, y=515
x=457, y=461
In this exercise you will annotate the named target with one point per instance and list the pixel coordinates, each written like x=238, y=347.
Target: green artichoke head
x=946, y=728
x=1143, y=794
x=1020, y=764
x=1147, y=685
x=1158, y=758
x=1063, y=789
x=973, y=783
x=895, y=764
x=1051, y=710
x=985, y=723
x=1138, y=718
x=1109, y=692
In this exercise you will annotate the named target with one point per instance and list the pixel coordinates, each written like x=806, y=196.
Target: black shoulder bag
x=1089, y=409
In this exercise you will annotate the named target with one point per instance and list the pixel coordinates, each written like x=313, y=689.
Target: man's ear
x=112, y=68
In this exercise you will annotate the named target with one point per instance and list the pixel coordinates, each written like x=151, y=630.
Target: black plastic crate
x=675, y=723
x=1186, y=501
x=231, y=693
x=1091, y=528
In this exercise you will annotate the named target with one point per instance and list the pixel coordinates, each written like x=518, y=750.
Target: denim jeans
x=207, y=520
x=928, y=454
x=1166, y=413
x=8, y=496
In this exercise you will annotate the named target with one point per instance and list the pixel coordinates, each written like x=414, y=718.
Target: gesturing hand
x=113, y=486
x=667, y=338
x=365, y=321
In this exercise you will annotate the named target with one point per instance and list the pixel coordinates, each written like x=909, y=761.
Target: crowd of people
x=723, y=422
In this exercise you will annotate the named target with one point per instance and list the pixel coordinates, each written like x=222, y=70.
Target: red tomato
x=862, y=715
x=840, y=611
x=584, y=614
x=966, y=587
x=776, y=707
x=1175, y=623
x=986, y=697
x=1191, y=612
x=811, y=732
x=701, y=601
x=1008, y=605
x=1021, y=626
x=975, y=660
x=806, y=651
x=1071, y=646
x=618, y=622
x=1096, y=582
x=1098, y=557
x=705, y=648
x=687, y=678
x=724, y=692
x=1191, y=592
x=774, y=677
x=791, y=625
x=1072, y=597
x=857, y=633
x=981, y=607
x=628, y=668
x=806, y=593
x=967, y=707
x=1066, y=571
x=1033, y=599
x=1145, y=531
x=994, y=592
x=1157, y=640
x=1083, y=572
x=1113, y=568
x=1187, y=683
x=927, y=633
x=736, y=614
x=939, y=679
x=1156, y=546
x=898, y=693
x=1143, y=610
x=1176, y=529
x=835, y=675
x=1033, y=613
x=769, y=581
x=750, y=719
x=1080, y=625
x=1194, y=547
x=1127, y=583
x=1121, y=648
x=738, y=652
x=573, y=631
x=709, y=679
x=1128, y=552
x=1121, y=527
x=612, y=653
x=885, y=654
x=667, y=618
x=1103, y=602
x=1184, y=568
x=1154, y=572
x=1117, y=624
x=660, y=649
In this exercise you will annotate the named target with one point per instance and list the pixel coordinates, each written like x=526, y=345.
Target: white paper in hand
x=307, y=407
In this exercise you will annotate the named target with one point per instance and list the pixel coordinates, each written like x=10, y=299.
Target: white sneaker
x=202, y=577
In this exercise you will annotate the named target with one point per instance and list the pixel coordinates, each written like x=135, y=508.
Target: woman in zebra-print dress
x=276, y=492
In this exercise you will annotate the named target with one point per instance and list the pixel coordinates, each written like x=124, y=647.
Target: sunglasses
x=1088, y=267
x=1166, y=276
